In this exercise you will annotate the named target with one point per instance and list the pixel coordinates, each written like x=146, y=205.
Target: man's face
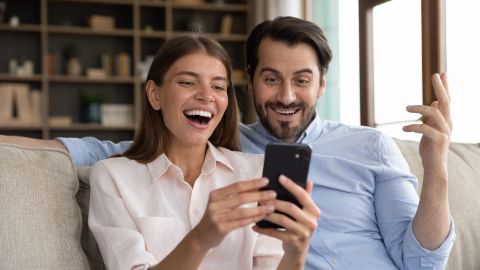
x=286, y=86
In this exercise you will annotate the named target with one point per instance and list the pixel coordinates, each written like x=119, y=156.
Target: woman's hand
x=297, y=231
x=225, y=213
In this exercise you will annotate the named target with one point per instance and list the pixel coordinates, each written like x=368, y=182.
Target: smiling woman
x=146, y=205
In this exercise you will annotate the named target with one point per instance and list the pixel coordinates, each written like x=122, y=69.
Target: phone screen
x=291, y=160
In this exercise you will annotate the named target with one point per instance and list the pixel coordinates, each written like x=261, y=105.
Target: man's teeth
x=199, y=113
x=286, y=112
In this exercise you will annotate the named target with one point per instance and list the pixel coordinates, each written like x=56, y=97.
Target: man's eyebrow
x=276, y=72
x=305, y=70
x=269, y=69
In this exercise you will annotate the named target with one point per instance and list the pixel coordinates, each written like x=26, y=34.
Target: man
x=371, y=216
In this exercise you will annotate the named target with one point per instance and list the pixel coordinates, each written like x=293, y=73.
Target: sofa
x=44, y=207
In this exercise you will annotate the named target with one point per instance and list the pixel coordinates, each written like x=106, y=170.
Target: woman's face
x=193, y=98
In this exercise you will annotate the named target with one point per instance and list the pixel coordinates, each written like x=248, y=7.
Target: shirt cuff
x=141, y=267
x=414, y=249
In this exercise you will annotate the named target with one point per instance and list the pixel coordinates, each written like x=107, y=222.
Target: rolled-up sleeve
x=88, y=150
x=119, y=241
x=396, y=203
x=267, y=253
x=417, y=257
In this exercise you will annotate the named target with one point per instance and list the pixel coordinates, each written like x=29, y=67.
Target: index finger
x=239, y=187
x=302, y=195
x=442, y=94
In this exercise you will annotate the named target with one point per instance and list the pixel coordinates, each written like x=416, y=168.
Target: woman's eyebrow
x=194, y=74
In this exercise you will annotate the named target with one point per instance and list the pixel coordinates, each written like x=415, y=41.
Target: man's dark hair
x=292, y=31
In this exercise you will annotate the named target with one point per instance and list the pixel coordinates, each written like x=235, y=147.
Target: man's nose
x=287, y=93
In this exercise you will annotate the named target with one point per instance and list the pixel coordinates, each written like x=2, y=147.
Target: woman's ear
x=153, y=95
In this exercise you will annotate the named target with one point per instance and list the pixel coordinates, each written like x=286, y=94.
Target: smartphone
x=291, y=160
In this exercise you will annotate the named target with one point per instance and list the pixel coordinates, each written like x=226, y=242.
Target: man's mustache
x=280, y=105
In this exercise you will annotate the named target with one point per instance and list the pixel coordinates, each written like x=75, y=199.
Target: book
x=227, y=21
x=22, y=101
x=123, y=64
x=6, y=103
x=36, y=97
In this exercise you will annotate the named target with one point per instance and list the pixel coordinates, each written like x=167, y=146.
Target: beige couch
x=43, y=202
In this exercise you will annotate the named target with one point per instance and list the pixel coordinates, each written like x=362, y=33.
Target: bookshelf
x=52, y=29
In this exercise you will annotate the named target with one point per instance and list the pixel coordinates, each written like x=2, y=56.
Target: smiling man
x=372, y=217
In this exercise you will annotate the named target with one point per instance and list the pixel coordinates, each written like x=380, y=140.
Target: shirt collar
x=309, y=135
x=162, y=164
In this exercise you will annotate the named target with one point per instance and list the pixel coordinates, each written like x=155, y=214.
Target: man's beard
x=285, y=132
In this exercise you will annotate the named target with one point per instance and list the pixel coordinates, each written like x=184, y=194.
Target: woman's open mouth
x=199, y=116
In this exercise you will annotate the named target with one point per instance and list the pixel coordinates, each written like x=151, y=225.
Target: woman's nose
x=205, y=94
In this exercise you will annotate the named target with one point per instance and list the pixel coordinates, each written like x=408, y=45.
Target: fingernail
x=263, y=181
x=269, y=208
x=282, y=178
x=271, y=194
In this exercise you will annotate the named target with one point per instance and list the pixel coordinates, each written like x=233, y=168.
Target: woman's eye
x=219, y=88
x=186, y=83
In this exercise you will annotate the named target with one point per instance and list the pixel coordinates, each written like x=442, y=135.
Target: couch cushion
x=40, y=221
x=89, y=244
x=464, y=197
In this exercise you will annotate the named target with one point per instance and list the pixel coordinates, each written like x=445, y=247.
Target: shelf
x=84, y=79
x=212, y=7
x=21, y=28
x=77, y=30
x=153, y=4
x=91, y=127
x=15, y=78
x=109, y=2
x=153, y=34
x=22, y=127
x=218, y=36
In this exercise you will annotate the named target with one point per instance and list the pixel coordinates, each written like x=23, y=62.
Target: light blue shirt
x=362, y=185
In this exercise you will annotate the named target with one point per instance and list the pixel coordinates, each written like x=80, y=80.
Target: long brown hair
x=152, y=137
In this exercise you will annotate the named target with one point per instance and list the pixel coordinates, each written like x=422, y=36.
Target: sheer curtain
x=269, y=9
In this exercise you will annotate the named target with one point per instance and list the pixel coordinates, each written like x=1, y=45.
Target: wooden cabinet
x=52, y=32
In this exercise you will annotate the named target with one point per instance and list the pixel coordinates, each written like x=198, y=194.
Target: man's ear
x=249, y=86
x=153, y=95
x=323, y=86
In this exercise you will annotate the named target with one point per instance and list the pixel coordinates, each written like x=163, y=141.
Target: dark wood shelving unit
x=141, y=26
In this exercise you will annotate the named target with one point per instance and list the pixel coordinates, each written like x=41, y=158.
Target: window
x=463, y=57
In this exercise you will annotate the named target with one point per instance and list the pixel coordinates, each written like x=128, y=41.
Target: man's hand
x=436, y=129
x=298, y=231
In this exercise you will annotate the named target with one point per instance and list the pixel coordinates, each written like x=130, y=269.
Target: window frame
x=433, y=52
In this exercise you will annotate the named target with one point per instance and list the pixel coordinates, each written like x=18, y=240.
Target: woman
x=178, y=198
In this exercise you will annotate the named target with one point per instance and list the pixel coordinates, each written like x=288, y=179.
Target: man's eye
x=271, y=80
x=302, y=82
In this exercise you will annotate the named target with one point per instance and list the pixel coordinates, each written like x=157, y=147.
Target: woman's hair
x=152, y=137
